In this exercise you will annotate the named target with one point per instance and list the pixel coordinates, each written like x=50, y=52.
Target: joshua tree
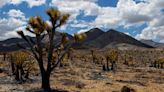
x=158, y=63
x=93, y=56
x=125, y=58
x=40, y=28
x=111, y=57
x=17, y=61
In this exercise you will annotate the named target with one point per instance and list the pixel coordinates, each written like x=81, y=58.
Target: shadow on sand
x=41, y=90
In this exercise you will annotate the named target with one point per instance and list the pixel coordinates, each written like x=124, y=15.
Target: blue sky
x=141, y=19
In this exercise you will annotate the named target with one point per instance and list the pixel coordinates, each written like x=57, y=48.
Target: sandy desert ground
x=84, y=76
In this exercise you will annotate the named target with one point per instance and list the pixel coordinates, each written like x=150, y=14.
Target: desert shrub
x=21, y=65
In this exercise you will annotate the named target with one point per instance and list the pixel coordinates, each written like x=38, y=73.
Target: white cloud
x=154, y=33
x=127, y=33
x=15, y=21
x=74, y=7
x=33, y=3
x=3, y=2
x=9, y=26
x=80, y=24
x=16, y=2
x=157, y=21
x=83, y=30
x=16, y=14
x=107, y=17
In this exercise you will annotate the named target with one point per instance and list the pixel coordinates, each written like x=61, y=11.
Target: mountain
x=11, y=44
x=92, y=34
x=152, y=43
x=112, y=38
x=96, y=38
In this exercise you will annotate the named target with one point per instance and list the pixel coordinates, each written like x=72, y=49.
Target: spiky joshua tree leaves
x=40, y=28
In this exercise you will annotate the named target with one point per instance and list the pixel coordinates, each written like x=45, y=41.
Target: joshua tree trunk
x=12, y=68
x=113, y=67
x=46, y=81
x=19, y=72
x=12, y=65
x=45, y=75
x=104, y=68
x=107, y=66
x=27, y=75
x=161, y=65
x=4, y=56
x=93, y=57
x=126, y=62
x=155, y=64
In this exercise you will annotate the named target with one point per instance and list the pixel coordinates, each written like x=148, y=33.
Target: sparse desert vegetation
x=136, y=70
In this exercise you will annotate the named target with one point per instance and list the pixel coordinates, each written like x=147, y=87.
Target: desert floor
x=88, y=77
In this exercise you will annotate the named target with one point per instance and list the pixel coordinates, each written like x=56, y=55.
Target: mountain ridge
x=96, y=38
x=114, y=37
x=153, y=43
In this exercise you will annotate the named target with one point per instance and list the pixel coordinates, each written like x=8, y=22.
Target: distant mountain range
x=11, y=44
x=152, y=43
x=96, y=38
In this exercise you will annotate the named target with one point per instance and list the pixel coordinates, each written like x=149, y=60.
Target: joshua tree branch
x=60, y=59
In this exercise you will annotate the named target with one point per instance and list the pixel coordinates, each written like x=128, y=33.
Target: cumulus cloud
x=106, y=16
x=9, y=26
x=16, y=2
x=74, y=7
x=80, y=24
x=152, y=32
x=83, y=30
x=16, y=14
x=3, y=2
x=31, y=3
x=13, y=22
x=127, y=33
x=148, y=12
